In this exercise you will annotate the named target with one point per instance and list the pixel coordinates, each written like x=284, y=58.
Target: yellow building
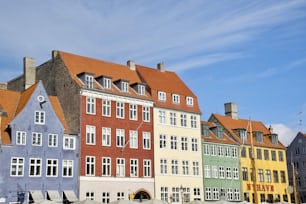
x=262, y=159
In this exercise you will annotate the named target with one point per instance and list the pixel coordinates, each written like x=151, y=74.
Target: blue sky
x=249, y=52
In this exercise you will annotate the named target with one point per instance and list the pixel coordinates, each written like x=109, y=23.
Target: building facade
x=221, y=165
x=38, y=156
x=262, y=157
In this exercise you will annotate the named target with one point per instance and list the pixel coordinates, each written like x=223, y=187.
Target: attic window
x=189, y=101
x=274, y=138
x=124, y=86
x=205, y=130
x=107, y=83
x=220, y=132
x=242, y=134
x=141, y=89
x=161, y=96
x=89, y=81
x=259, y=136
x=175, y=98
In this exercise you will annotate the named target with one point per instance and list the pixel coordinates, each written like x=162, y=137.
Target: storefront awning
x=54, y=196
x=70, y=195
x=37, y=195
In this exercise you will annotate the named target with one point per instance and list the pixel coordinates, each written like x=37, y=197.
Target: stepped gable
x=169, y=83
x=231, y=125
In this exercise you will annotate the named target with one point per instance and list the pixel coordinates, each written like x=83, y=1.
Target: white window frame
x=120, y=167
x=134, y=167
x=162, y=117
x=164, y=193
x=89, y=81
x=90, y=105
x=146, y=138
x=124, y=86
x=90, y=162
x=194, y=144
x=173, y=118
x=90, y=135
x=147, y=168
x=52, y=140
x=37, y=138
x=193, y=121
x=175, y=98
x=40, y=117
x=207, y=171
x=69, y=143
x=206, y=149
x=120, y=109
x=36, y=165
x=183, y=120
x=189, y=101
x=195, y=168
x=106, y=136
x=67, y=168
x=184, y=144
x=17, y=167
x=214, y=171
x=162, y=141
x=185, y=167
x=50, y=167
x=173, y=142
x=163, y=166
x=133, y=112
x=107, y=83
x=235, y=173
x=221, y=172
x=21, y=138
x=228, y=173
x=174, y=167
x=208, y=195
x=161, y=96
x=106, y=166
x=133, y=139
x=146, y=113
x=141, y=90
x=106, y=108
x=120, y=137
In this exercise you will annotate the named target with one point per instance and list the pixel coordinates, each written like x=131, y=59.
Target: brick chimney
x=29, y=70
x=131, y=64
x=231, y=110
x=161, y=67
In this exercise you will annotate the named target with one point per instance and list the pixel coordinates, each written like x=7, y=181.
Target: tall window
x=185, y=167
x=162, y=117
x=184, y=143
x=52, y=167
x=243, y=152
x=189, y=101
x=146, y=168
x=280, y=156
x=208, y=193
x=173, y=142
x=146, y=113
x=214, y=171
x=105, y=197
x=174, y=167
x=213, y=149
x=275, y=176
x=90, y=105
x=107, y=83
x=141, y=90
x=220, y=151
x=266, y=154
x=236, y=194
x=89, y=81
x=120, y=167
x=235, y=173
x=52, y=140
x=173, y=118
x=133, y=139
x=206, y=171
x=161, y=96
x=106, y=136
x=283, y=176
x=164, y=193
x=194, y=144
x=133, y=112
x=163, y=166
x=39, y=117
x=228, y=173
x=245, y=174
x=221, y=172
x=273, y=155
x=35, y=167
x=195, y=168
x=229, y=194
x=17, y=166
x=205, y=149
x=20, y=137
x=183, y=120
x=106, y=107
x=259, y=155
x=268, y=175
x=196, y=194
x=106, y=166
x=124, y=86
x=260, y=175
x=134, y=167
x=235, y=152
x=90, y=134
x=175, y=194
x=227, y=151
x=162, y=141
x=193, y=121
x=120, y=137
x=90, y=165
x=120, y=109
x=67, y=168
x=36, y=139
x=146, y=138
x=215, y=194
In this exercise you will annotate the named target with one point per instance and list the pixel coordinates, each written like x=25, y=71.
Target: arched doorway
x=142, y=196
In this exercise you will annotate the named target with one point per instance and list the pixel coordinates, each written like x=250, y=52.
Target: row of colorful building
x=77, y=128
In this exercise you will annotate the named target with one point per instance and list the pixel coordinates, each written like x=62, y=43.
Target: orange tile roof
x=25, y=96
x=170, y=83
x=231, y=124
x=58, y=110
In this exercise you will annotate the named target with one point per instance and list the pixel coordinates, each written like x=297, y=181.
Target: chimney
x=131, y=64
x=161, y=67
x=231, y=110
x=29, y=71
x=54, y=54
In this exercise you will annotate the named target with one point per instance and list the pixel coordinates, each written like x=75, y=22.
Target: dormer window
x=205, y=130
x=175, y=98
x=243, y=134
x=141, y=89
x=89, y=81
x=220, y=132
x=189, y=101
x=274, y=138
x=259, y=136
x=161, y=96
x=107, y=83
x=124, y=86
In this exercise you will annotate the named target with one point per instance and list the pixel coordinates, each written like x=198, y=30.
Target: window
x=227, y=151
x=36, y=139
x=268, y=176
x=67, y=168
x=21, y=138
x=164, y=193
x=275, y=176
x=106, y=136
x=274, y=138
x=228, y=173
x=17, y=166
x=259, y=155
x=106, y=166
x=206, y=171
x=266, y=154
x=35, y=167
x=196, y=194
x=280, y=156
x=162, y=117
x=120, y=138
x=235, y=173
x=107, y=83
x=283, y=176
x=120, y=167
x=189, y=101
x=89, y=81
x=213, y=149
x=193, y=121
x=52, y=140
x=183, y=120
x=194, y=144
x=173, y=118
x=90, y=134
x=175, y=194
x=186, y=195
x=133, y=139
x=243, y=152
x=229, y=194
x=195, y=168
x=90, y=165
x=147, y=168
x=90, y=196
x=243, y=134
x=184, y=143
x=120, y=110
x=146, y=113
x=133, y=167
x=106, y=108
x=206, y=149
x=105, y=197
x=245, y=174
x=259, y=136
x=120, y=195
x=221, y=172
x=214, y=171
x=162, y=141
x=260, y=175
x=124, y=86
x=215, y=195
x=146, y=138
x=133, y=112
x=39, y=117
x=273, y=155
x=90, y=105
x=163, y=166
x=175, y=98
x=161, y=96
x=236, y=194
x=207, y=193
x=185, y=167
x=52, y=167
x=235, y=152
x=173, y=142
x=220, y=132
x=220, y=151
x=174, y=167
x=69, y=143
x=141, y=90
